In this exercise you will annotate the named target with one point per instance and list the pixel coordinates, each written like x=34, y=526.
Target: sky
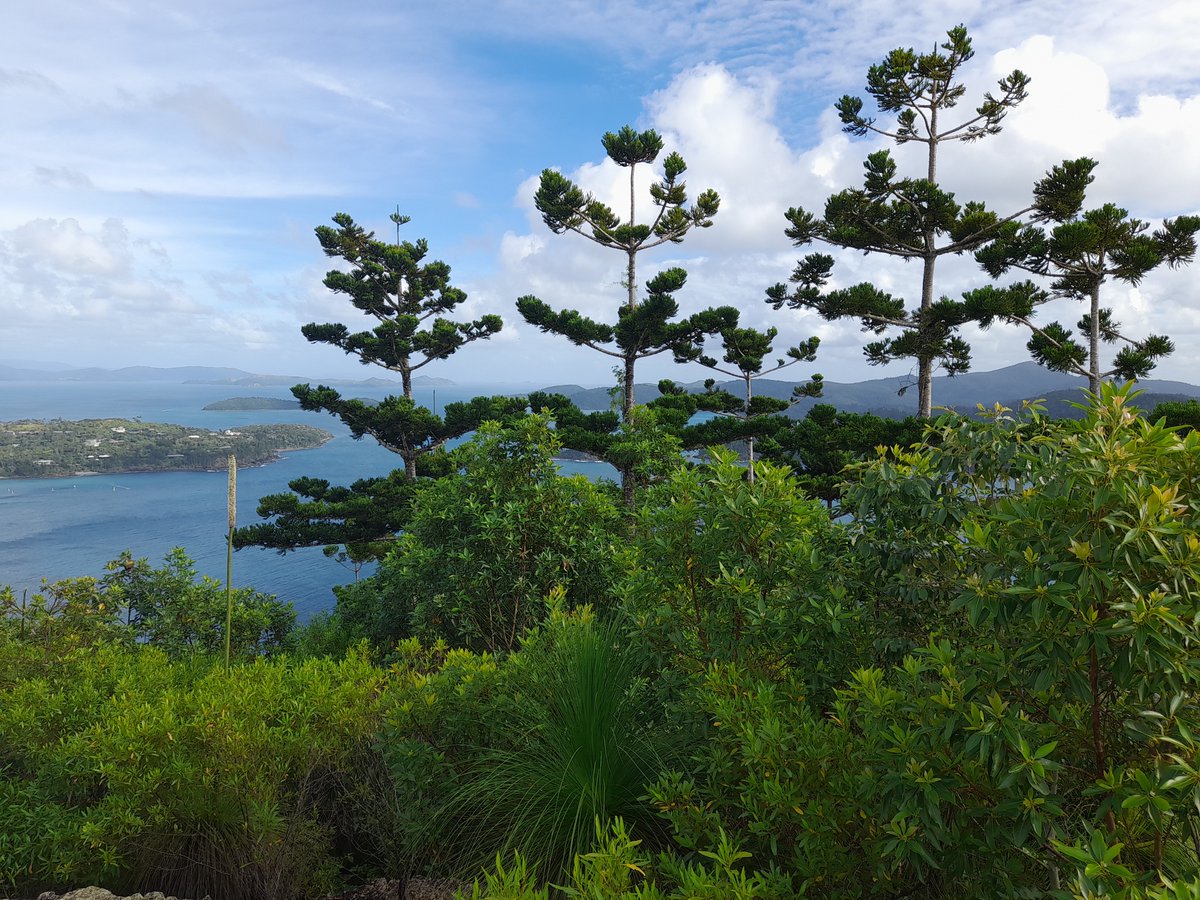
x=164, y=164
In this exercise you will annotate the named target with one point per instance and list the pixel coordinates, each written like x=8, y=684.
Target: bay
x=57, y=528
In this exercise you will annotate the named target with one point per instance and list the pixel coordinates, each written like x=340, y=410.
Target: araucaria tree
x=644, y=327
x=746, y=350
x=410, y=299
x=1081, y=252
x=910, y=218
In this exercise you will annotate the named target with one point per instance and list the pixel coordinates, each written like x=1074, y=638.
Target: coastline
x=256, y=464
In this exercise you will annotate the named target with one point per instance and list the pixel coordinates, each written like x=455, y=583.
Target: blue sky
x=164, y=163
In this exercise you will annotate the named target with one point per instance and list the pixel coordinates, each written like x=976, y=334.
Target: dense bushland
x=980, y=680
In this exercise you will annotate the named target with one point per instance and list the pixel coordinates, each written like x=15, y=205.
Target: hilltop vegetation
x=249, y=403
x=946, y=692
x=46, y=449
x=942, y=658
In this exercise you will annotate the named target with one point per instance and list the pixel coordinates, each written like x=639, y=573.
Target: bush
x=141, y=773
x=1054, y=741
x=732, y=571
x=484, y=549
x=527, y=751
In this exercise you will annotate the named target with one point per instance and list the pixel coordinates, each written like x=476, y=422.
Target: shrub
x=732, y=571
x=484, y=549
x=140, y=772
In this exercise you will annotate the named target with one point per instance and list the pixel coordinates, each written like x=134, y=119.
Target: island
x=253, y=403
x=58, y=447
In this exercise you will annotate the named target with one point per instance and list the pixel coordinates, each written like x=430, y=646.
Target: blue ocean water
x=68, y=527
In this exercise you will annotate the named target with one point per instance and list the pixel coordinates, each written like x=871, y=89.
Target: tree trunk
x=924, y=361
x=410, y=468
x=627, y=479
x=406, y=379
x=1094, y=341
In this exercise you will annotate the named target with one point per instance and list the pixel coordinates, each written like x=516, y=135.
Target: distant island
x=252, y=403
x=56, y=448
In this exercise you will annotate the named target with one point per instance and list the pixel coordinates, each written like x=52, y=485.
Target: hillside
x=55, y=448
x=252, y=403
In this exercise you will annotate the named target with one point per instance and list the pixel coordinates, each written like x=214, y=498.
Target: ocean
x=59, y=528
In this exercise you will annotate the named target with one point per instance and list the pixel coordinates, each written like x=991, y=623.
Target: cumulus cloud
x=727, y=128
x=165, y=182
x=88, y=290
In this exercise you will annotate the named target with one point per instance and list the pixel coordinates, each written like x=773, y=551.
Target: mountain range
x=896, y=397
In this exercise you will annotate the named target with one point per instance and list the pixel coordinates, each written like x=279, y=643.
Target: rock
x=99, y=893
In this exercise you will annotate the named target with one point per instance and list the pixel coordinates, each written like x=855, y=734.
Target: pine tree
x=645, y=327
x=1080, y=253
x=745, y=353
x=909, y=218
x=409, y=298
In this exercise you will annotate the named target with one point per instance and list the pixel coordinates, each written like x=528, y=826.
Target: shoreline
x=257, y=464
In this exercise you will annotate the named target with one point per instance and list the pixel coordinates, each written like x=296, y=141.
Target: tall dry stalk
x=232, y=508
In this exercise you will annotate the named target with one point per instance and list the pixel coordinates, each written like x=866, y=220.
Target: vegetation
x=41, y=449
x=908, y=218
x=250, y=403
x=409, y=298
x=951, y=658
x=1082, y=252
x=644, y=328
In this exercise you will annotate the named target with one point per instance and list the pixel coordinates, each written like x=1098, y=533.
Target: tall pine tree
x=745, y=353
x=909, y=218
x=409, y=298
x=645, y=327
x=1080, y=252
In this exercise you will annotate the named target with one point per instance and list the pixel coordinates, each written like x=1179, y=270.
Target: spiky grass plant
x=581, y=751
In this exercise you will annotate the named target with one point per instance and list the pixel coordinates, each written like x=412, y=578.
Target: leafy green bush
x=170, y=608
x=747, y=573
x=138, y=772
x=778, y=781
x=1057, y=733
x=581, y=747
x=617, y=869
x=166, y=607
x=527, y=751
x=484, y=549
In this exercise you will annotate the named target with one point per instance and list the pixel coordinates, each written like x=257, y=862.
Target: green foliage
x=777, y=781
x=907, y=508
x=643, y=328
x=822, y=445
x=169, y=608
x=166, y=607
x=1081, y=252
x=580, y=747
x=1065, y=707
x=65, y=615
x=393, y=284
x=734, y=571
x=745, y=352
x=485, y=550
x=409, y=298
x=1177, y=414
x=909, y=218
x=122, y=768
